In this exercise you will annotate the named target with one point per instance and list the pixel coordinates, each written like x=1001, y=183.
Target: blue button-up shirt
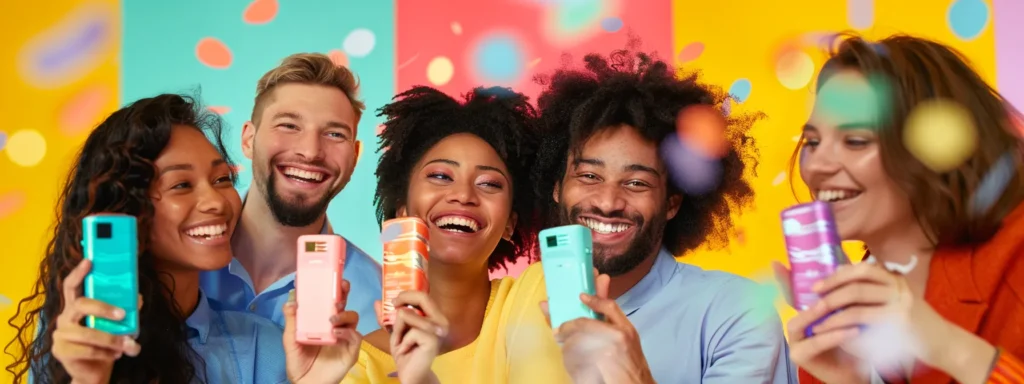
x=700, y=326
x=236, y=347
x=232, y=288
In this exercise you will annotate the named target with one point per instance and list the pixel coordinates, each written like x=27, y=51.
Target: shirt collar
x=199, y=322
x=652, y=283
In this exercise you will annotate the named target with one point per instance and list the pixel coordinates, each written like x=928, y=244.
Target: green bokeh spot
x=575, y=15
x=856, y=102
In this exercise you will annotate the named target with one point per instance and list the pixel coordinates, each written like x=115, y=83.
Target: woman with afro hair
x=462, y=166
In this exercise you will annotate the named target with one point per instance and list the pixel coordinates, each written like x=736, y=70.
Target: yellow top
x=513, y=311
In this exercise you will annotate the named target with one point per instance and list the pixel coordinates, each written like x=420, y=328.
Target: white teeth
x=457, y=220
x=315, y=176
x=208, y=231
x=836, y=194
x=604, y=228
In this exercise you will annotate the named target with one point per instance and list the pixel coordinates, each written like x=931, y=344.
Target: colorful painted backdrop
x=68, y=63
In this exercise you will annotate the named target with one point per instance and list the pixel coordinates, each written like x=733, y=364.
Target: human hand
x=602, y=350
x=87, y=354
x=322, y=363
x=416, y=339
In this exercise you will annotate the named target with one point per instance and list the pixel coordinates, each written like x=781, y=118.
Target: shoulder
x=357, y=259
x=728, y=296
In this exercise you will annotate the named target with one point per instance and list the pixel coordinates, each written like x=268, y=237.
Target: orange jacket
x=981, y=289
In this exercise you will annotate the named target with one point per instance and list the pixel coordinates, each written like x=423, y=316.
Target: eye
x=337, y=135
x=223, y=179
x=857, y=142
x=183, y=185
x=492, y=184
x=813, y=143
x=288, y=126
x=439, y=176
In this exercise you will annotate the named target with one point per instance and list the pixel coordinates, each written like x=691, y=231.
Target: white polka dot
x=359, y=42
x=26, y=147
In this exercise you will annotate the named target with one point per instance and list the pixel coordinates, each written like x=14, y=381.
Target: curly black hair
x=636, y=89
x=113, y=173
x=419, y=118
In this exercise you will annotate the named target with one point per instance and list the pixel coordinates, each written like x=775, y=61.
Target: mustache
x=576, y=211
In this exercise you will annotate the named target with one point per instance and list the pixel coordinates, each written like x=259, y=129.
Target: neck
x=621, y=284
x=264, y=247
x=461, y=292
x=900, y=245
x=185, y=285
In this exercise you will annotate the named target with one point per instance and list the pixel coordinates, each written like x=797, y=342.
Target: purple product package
x=814, y=248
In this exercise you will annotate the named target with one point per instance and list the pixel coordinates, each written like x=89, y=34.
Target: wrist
x=965, y=357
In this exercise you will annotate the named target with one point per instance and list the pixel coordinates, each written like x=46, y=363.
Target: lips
x=453, y=223
x=208, y=231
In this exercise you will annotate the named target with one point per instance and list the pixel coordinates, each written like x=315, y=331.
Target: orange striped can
x=405, y=262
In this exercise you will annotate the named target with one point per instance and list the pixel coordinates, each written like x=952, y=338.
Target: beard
x=644, y=243
x=291, y=213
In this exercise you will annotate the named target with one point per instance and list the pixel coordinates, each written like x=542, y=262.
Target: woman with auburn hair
x=950, y=297
x=152, y=160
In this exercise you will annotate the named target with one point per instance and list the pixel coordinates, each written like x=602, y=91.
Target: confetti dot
x=499, y=59
x=260, y=12
x=26, y=147
x=993, y=184
x=860, y=13
x=703, y=127
x=11, y=202
x=238, y=168
x=456, y=28
x=851, y=97
x=72, y=48
x=3, y=139
x=740, y=90
x=941, y=134
x=359, y=42
x=84, y=110
x=794, y=69
x=440, y=71
x=220, y=110
x=576, y=15
x=338, y=58
x=690, y=170
x=611, y=24
x=213, y=53
x=690, y=52
x=968, y=18
x=779, y=179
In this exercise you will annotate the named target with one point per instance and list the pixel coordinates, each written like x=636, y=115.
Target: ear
x=248, y=135
x=554, y=192
x=359, y=152
x=401, y=211
x=510, y=227
x=674, y=202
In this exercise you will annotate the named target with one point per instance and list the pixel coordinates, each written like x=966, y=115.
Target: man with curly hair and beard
x=598, y=166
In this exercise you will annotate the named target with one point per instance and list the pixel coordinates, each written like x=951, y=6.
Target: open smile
x=608, y=231
x=208, y=233
x=304, y=177
x=457, y=223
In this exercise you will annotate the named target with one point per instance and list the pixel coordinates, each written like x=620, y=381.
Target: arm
x=745, y=342
x=972, y=360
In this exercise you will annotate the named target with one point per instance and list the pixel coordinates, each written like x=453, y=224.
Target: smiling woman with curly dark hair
x=151, y=160
x=599, y=166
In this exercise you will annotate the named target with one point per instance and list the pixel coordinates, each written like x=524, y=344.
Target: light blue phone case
x=567, y=258
x=110, y=241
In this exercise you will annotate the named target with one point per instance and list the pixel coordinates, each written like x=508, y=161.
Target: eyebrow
x=295, y=116
x=188, y=167
x=456, y=164
x=628, y=168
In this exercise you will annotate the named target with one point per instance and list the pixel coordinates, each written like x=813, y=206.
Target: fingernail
x=118, y=313
x=817, y=286
x=291, y=296
x=334, y=319
x=585, y=297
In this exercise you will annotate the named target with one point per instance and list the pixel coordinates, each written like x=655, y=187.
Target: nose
x=609, y=198
x=821, y=161
x=211, y=201
x=309, y=146
x=463, y=193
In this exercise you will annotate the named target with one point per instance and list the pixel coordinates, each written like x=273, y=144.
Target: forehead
x=466, y=149
x=314, y=102
x=621, y=145
x=187, y=145
x=847, y=97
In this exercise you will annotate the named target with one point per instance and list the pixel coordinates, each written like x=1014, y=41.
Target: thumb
x=782, y=276
x=288, y=310
x=601, y=286
x=379, y=309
